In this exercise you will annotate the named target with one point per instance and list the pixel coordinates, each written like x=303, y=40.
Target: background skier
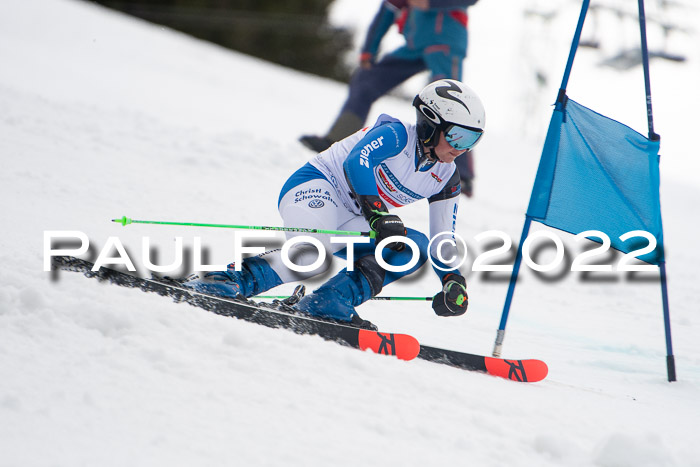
x=436, y=40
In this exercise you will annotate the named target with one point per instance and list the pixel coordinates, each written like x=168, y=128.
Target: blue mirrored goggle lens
x=461, y=138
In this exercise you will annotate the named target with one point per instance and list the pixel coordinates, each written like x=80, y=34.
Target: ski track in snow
x=104, y=116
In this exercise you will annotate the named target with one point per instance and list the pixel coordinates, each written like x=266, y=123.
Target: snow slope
x=105, y=116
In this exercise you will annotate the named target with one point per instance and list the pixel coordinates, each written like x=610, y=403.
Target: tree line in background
x=293, y=33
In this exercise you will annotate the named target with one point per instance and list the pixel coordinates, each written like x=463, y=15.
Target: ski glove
x=452, y=299
x=387, y=225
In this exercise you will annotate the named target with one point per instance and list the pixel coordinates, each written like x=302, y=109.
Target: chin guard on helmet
x=425, y=159
x=427, y=123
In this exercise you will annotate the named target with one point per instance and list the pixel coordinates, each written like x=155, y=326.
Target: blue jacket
x=444, y=23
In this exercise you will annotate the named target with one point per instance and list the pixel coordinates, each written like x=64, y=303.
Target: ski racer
x=351, y=186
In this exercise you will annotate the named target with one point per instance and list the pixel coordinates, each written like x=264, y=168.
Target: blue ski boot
x=337, y=298
x=255, y=277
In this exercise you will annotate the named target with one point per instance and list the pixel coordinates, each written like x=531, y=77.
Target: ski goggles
x=462, y=138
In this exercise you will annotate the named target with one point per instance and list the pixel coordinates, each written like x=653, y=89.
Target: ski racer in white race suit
x=351, y=186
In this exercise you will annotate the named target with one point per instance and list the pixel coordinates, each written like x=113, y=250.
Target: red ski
x=402, y=346
x=527, y=371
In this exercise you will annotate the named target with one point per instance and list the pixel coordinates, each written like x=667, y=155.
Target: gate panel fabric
x=598, y=174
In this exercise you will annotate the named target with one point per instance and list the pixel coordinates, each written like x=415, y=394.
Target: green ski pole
x=282, y=297
x=124, y=221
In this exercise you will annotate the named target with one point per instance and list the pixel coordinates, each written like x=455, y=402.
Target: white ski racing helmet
x=451, y=107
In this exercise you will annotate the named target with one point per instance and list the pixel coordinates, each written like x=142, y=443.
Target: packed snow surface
x=104, y=116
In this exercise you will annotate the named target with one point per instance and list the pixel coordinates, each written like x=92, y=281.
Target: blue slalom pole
x=501, y=333
x=545, y=165
x=574, y=47
x=670, y=359
x=645, y=64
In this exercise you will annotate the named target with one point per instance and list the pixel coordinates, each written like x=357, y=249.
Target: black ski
x=402, y=346
x=274, y=315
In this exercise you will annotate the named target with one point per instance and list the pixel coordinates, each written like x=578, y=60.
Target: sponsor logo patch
x=314, y=194
x=368, y=148
x=385, y=181
x=316, y=203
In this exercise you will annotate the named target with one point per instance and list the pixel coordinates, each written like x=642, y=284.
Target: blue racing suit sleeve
x=381, y=23
x=380, y=143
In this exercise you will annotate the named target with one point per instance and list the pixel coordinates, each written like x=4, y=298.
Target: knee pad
x=372, y=271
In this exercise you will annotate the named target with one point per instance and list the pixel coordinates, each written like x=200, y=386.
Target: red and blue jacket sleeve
x=381, y=23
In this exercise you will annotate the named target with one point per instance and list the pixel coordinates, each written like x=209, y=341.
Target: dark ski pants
x=368, y=85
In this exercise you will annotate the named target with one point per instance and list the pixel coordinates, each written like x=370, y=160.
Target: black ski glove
x=387, y=225
x=452, y=299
